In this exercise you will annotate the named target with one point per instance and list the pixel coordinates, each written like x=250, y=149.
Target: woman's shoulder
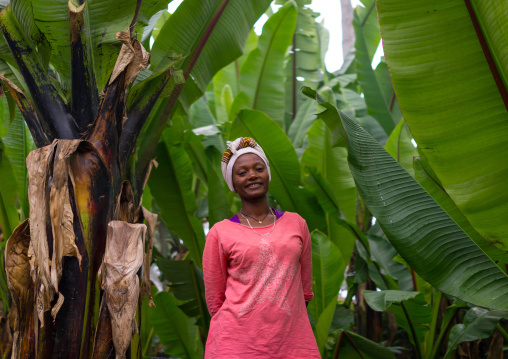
x=217, y=227
x=294, y=216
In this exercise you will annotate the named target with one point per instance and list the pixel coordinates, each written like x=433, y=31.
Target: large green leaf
x=427, y=178
x=332, y=164
x=410, y=309
x=174, y=328
x=479, y=323
x=229, y=76
x=327, y=273
x=186, y=283
x=354, y=346
x=8, y=213
x=171, y=186
x=453, y=101
x=323, y=323
x=212, y=32
x=419, y=229
x=261, y=78
x=367, y=38
x=327, y=175
x=401, y=148
x=284, y=166
x=18, y=144
x=305, y=117
x=304, y=66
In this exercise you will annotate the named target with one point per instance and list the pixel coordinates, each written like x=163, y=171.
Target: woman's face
x=250, y=176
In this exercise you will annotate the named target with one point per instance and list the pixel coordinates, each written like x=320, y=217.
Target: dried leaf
x=11, y=84
x=17, y=264
x=44, y=163
x=39, y=163
x=19, y=281
x=153, y=163
x=64, y=239
x=132, y=58
x=151, y=220
x=122, y=260
x=125, y=204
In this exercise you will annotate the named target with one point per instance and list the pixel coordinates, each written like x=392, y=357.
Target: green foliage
x=177, y=206
x=453, y=100
x=174, y=329
x=444, y=230
x=407, y=213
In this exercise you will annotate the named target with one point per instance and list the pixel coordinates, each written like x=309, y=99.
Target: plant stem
x=413, y=332
x=502, y=331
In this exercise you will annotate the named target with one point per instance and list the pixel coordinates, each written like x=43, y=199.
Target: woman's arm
x=214, y=273
x=306, y=263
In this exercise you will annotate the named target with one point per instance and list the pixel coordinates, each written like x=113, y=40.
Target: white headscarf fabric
x=238, y=147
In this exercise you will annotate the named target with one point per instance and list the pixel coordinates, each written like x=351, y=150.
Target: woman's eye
x=260, y=169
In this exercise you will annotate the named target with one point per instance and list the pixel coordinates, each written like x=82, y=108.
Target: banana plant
x=449, y=73
x=413, y=221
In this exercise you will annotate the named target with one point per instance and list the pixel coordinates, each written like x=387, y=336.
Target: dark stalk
x=135, y=18
x=136, y=118
x=84, y=96
x=353, y=344
x=293, y=57
x=413, y=332
x=56, y=121
x=30, y=116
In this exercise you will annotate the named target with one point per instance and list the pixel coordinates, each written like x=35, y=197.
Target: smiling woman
x=257, y=268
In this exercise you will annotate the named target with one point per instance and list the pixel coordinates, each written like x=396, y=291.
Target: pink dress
x=256, y=288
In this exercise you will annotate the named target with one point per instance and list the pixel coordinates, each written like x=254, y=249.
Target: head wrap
x=238, y=147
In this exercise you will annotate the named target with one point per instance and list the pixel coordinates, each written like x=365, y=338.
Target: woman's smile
x=250, y=176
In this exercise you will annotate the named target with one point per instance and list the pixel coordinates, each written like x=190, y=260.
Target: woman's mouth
x=254, y=185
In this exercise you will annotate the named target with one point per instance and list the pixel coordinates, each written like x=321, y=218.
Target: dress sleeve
x=306, y=263
x=214, y=273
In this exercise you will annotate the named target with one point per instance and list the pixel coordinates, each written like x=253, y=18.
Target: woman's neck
x=255, y=208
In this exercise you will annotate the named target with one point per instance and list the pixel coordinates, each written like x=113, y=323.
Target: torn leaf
x=151, y=220
x=122, y=259
x=133, y=58
x=19, y=281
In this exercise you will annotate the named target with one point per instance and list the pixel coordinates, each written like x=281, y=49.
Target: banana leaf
x=171, y=187
x=479, y=323
x=186, y=283
x=174, y=329
x=210, y=28
x=327, y=274
x=410, y=309
x=449, y=66
x=18, y=143
x=401, y=148
x=261, y=78
x=367, y=39
x=354, y=346
x=428, y=180
x=419, y=229
x=8, y=214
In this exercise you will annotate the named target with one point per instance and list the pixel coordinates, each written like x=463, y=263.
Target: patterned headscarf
x=238, y=147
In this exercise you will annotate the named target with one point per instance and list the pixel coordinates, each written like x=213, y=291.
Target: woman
x=257, y=269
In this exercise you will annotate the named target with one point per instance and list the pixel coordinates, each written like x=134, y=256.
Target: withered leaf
x=133, y=58
x=151, y=220
x=122, y=259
